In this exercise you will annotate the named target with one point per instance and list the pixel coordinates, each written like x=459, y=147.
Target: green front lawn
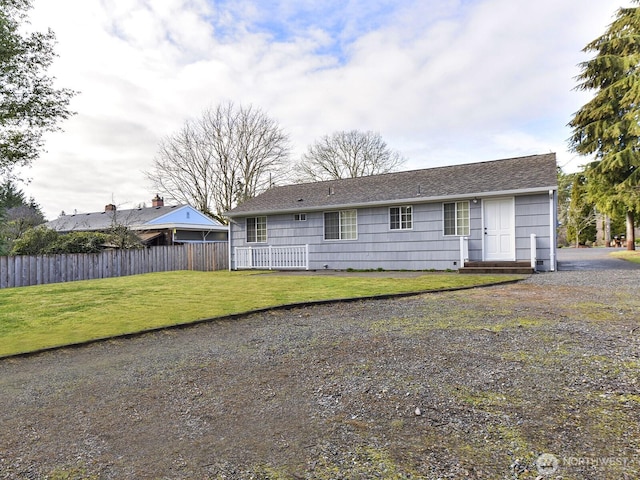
x=629, y=255
x=44, y=316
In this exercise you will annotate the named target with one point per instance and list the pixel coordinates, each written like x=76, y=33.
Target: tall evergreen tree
x=580, y=214
x=608, y=126
x=17, y=215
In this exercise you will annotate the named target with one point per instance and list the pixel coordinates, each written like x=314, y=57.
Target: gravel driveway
x=538, y=379
x=587, y=259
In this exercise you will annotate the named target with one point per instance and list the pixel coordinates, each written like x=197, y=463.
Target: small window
x=456, y=218
x=342, y=225
x=401, y=218
x=256, y=229
x=299, y=217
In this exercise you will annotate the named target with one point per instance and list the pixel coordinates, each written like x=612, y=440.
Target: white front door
x=499, y=229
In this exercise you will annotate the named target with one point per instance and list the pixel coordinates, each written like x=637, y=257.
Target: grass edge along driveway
x=46, y=316
x=632, y=256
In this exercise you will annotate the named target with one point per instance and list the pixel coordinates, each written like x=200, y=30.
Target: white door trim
x=502, y=248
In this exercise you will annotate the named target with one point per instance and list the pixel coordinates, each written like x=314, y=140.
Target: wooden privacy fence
x=24, y=270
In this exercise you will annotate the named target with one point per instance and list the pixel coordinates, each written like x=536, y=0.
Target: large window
x=456, y=218
x=256, y=229
x=341, y=225
x=401, y=218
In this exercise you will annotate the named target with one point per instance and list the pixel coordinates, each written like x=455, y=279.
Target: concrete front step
x=504, y=263
x=506, y=270
x=519, y=267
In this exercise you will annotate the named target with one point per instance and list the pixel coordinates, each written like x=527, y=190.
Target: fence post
x=4, y=272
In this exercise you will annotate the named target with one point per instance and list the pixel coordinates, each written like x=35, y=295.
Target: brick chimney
x=110, y=208
x=157, y=201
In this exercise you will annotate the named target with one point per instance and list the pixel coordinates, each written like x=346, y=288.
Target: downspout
x=229, y=242
x=552, y=231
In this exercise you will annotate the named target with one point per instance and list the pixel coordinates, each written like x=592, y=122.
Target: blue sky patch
x=286, y=20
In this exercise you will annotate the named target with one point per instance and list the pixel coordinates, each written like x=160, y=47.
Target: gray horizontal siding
x=532, y=216
x=423, y=247
x=475, y=231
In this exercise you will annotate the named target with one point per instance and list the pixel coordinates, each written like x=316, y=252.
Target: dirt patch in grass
x=472, y=384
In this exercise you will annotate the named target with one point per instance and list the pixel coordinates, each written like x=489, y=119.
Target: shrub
x=79, y=242
x=43, y=241
x=34, y=241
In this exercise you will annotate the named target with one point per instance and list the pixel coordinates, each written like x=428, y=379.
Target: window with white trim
x=401, y=218
x=342, y=225
x=456, y=218
x=299, y=217
x=256, y=229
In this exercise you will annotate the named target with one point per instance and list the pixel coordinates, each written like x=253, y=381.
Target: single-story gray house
x=437, y=218
x=157, y=225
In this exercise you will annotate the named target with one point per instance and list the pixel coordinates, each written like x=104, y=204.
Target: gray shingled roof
x=537, y=172
x=136, y=219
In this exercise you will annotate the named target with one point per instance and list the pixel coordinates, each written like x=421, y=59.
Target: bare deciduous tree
x=347, y=155
x=227, y=155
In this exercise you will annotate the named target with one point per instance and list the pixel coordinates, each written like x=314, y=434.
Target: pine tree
x=17, y=215
x=581, y=214
x=608, y=126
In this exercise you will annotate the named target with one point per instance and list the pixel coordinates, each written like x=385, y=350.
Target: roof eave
x=179, y=226
x=403, y=201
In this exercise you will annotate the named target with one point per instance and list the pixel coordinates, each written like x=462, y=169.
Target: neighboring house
x=434, y=218
x=155, y=225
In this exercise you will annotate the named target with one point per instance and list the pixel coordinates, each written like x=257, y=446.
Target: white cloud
x=447, y=81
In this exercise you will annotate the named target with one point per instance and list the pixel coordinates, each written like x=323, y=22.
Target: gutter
x=402, y=201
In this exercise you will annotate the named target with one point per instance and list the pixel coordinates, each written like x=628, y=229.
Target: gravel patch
x=628, y=280
x=538, y=379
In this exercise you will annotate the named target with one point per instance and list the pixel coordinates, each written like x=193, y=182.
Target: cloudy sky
x=442, y=81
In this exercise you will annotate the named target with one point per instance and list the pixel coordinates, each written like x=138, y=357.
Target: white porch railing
x=534, y=252
x=270, y=257
x=464, y=250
